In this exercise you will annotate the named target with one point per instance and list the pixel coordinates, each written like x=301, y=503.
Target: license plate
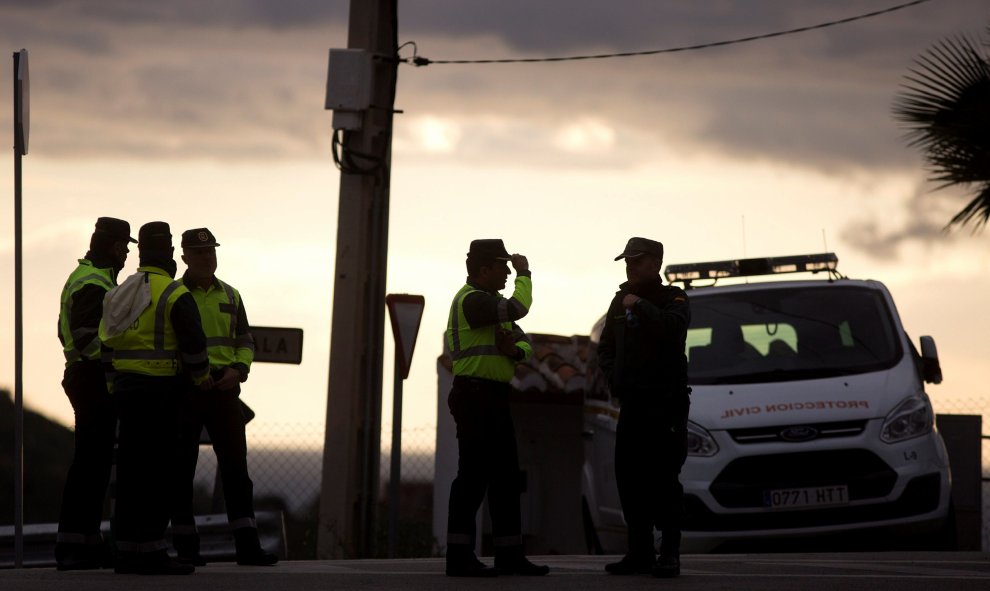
x=806, y=497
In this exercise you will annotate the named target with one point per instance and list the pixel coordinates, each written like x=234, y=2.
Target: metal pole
x=18, y=365
x=395, y=466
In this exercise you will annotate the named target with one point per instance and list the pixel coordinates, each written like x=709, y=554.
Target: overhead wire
x=418, y=60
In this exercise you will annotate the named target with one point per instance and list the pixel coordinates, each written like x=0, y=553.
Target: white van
x=808, y=416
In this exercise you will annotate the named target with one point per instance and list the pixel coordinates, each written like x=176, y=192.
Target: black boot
x=150, y=563
x=126, y=563
x=77, y=556
x=187, y=549
x=632, y=564
x=462, y=562
x=669, y=563
x=249, y=550
x=512, y=561
x=667, y=566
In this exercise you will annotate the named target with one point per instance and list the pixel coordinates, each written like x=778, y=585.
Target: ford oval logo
x=800, y=433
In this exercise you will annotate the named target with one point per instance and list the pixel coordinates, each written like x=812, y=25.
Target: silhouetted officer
x=641, y=351
x=79, y=544
x=231, y=351
x=485, y=345
x=152, y=324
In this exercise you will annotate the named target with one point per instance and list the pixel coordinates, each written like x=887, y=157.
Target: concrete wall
x=963, y=442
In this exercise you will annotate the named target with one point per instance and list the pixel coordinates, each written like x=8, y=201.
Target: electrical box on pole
x=350, y=74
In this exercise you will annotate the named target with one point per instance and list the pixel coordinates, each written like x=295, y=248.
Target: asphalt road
x=808, y=572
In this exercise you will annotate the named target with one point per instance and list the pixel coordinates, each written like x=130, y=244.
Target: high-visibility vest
x=149, y=345
x=218, y=306
x=473, y=350
x=85, y=274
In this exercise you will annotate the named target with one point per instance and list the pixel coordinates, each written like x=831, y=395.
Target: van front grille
x=798, y=433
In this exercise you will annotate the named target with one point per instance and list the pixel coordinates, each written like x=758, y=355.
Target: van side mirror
x=931, y=370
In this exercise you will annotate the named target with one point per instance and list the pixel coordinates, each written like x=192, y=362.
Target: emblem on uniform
x=203, y=237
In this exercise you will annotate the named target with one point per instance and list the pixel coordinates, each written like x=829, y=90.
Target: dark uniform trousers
x=148, y=440
x=86, y=484
x=650, y=448
x=487, y=463
x=220, y=412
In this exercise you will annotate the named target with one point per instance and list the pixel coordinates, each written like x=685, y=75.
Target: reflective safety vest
x=218, y=306
x=149, y=345
x=473, y=350
x=85, y=274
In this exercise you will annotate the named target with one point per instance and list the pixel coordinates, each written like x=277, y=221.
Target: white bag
x=123, y=304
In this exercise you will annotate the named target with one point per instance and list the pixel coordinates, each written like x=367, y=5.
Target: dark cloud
x=190, y=78
x=582, y=26
x=926, y=213
x=819, y=99
x=197, y=13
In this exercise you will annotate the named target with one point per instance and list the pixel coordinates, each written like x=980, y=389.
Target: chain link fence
x=285, y=461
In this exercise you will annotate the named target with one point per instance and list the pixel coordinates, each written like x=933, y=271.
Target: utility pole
x=349, y=493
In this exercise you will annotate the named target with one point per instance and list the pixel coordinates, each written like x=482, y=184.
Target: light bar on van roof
x=803, y=263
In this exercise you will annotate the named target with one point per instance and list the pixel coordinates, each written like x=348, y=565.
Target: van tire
x=591, y=541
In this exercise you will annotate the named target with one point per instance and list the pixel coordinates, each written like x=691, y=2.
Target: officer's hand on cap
x=519, y=263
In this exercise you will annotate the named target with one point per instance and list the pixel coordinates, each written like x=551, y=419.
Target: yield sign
x=405, y=311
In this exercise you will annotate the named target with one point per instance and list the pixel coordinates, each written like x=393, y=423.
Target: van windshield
x=784, y=334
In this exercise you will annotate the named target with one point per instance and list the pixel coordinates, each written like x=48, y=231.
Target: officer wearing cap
x=78, y=544
x=485, y=344
x=231, y=350
x=152, y=325
x=641, y=352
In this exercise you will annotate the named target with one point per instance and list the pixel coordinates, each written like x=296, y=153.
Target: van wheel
x=591, y=541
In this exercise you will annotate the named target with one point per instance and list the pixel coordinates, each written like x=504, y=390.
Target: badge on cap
x=198, y=238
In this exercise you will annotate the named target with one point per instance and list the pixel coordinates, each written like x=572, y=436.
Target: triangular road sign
x=406, y=311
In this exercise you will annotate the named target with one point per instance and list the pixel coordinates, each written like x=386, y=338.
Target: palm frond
x=945, y=107
x=976, y=211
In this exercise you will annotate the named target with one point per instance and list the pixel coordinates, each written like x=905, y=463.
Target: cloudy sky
x=211, y=113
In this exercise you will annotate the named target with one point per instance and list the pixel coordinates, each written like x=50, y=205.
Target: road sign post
x=22, y=126
x=406, y=312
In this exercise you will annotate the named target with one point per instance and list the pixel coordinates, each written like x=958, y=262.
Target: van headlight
x=699, y=441
x=911, y=418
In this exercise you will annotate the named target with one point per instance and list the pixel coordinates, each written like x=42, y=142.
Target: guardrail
x=216, y=540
